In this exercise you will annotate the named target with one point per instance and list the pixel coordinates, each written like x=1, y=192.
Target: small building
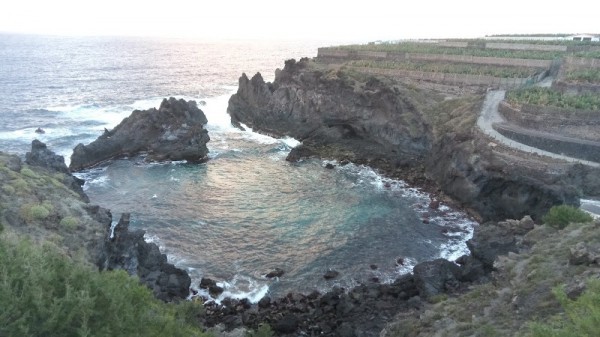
x=585, y=37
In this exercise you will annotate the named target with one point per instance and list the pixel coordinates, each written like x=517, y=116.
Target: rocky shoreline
x=416, y=135
x=375, y=123
x=366, y=309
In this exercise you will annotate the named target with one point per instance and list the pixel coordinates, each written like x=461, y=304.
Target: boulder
x=277, y=272
x=490, y=241
x=127, y=250
x=43, y=157
x=331, y=274
x=174, y=131
x=436, y=277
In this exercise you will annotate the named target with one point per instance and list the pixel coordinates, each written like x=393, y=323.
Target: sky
x=304, y=19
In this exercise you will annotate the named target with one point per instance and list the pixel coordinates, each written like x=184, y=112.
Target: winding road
x=490, y=115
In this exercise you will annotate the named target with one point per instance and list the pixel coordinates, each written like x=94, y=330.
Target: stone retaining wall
x=539, y=117
x=525, y=46
x=448, y=78
x=339, y=55
x=586, y=150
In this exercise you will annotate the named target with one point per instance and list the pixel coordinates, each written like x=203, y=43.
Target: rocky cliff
x=174, y=131
x=42, y=202
x=405, y=131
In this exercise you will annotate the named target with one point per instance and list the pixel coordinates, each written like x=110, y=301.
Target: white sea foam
x=237, y=288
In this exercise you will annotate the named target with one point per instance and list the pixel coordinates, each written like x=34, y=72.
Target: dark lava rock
x=40, y=131
x=434, y=204
x=215, y=290
x=14, y=163
x=436, y=277
x=264, y=302
x=286, y=324
x=41, y=156
x=490, y=241
x=129, y=251
x=206, y=283
x=329, y=166
x=277, y=272
x=373, y=267
x=331, y=274
x=173, y=132
x=400, y=261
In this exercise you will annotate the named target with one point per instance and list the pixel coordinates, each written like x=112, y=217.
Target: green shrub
x=581, y=317
x=34, y=212
x=560, y=216
x=28, y=173
x=44, y=293
x=264, y=330
x=20, y=184
x=69, y=222
x=8, y=189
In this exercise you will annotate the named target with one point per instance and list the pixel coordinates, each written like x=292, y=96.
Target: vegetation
x=447, y=67
x=44, y=293
x=549, y=97
x=581, y=316
x=587, y=76
x=562, y=215
x=69, y=222
x=434, y=48
x=34, y=212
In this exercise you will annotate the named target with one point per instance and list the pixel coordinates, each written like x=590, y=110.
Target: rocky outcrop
x=372, y=122
x=127, y=250
x=385, y=125
x=43, y=157
x=466, y=170
x=174, y=131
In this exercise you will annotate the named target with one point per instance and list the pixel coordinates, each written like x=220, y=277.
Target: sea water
x=244, y=212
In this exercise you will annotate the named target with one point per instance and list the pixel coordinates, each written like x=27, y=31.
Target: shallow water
x=244, y=212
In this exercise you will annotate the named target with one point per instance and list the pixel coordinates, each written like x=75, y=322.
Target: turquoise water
x=244, y=212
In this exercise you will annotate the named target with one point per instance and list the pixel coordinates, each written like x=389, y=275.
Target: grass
x=44, y=293
x=585, y=76
x=549, y=97
x=581, y=316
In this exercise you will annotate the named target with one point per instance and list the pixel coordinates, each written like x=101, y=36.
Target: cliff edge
x=408, y=132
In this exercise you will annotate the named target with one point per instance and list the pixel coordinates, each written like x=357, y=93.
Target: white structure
x=585, y=37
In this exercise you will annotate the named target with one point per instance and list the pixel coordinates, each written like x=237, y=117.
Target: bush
x=29, y=173
x=69, y=222
x=35, y=212
x=581, y=317
x=44, y=293
x=560, y=216
x=8, y=189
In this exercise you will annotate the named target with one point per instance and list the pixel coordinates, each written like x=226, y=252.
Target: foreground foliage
x=44, y=293
x=562, y=215
x=581, y=316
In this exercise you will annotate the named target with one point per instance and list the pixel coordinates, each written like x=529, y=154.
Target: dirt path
x=489, y=116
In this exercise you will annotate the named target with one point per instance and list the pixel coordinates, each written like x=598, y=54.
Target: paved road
x=591, y=206
x=489, y=116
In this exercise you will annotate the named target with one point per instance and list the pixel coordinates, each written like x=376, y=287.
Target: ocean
x=244, y=212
